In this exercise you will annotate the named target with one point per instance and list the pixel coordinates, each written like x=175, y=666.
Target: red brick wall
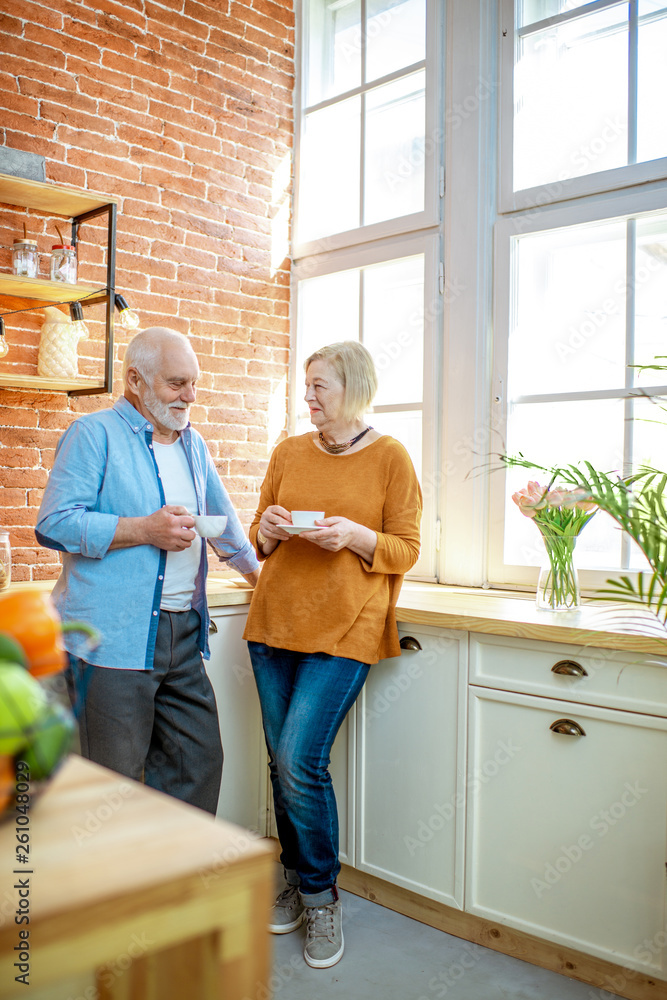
x=182, y=111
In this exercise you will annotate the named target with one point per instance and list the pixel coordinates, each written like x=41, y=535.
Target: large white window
x=367, y=239
x=552, y=231
x=366, y=143
x=580, y=262
x=587, y=97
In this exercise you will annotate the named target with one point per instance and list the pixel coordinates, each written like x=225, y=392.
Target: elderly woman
x=322, y=613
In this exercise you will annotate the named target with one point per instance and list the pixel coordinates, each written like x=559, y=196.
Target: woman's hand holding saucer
x=336, y=533
x=332, y=533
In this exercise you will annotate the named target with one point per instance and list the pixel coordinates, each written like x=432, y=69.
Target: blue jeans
x=304, y=699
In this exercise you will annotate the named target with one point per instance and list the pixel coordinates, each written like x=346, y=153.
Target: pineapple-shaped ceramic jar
x=58, y=345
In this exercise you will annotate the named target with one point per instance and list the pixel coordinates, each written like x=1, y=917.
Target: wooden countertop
x=613, y=626
x=490, y=611
x=500, y=613
x=99, y=835
x=111, y=862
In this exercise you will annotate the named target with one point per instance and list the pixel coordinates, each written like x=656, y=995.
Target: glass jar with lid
x=5, y=560
x=63, y=263
x=25, y=259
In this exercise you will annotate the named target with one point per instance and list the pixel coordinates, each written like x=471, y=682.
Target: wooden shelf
x=42, y=288
x=49, y=197
x=80, y=207
x=9, y=381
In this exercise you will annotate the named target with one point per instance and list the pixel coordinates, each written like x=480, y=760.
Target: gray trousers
x=161, y=724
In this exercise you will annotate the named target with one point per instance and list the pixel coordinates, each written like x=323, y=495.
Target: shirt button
x=160, y=578
x=155, y=613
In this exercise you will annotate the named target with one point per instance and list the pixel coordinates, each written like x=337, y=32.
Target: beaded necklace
x=336, y=449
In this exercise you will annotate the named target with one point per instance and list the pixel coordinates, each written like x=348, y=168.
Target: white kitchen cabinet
x=410, y=767
x=342, y=770
x=243, y=795
x=610, y=678
x=567, y=834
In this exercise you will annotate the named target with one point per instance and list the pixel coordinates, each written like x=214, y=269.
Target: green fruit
x=11, y=651
x=22, y=701
x=49, y=741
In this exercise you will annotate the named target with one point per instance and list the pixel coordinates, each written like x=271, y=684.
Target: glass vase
x=558, y=582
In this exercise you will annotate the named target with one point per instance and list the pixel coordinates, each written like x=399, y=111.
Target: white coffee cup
x=210, y=525
x=306, y=518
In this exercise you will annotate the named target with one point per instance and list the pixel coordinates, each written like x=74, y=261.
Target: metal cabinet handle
x=408, y=642
x=212, y=627
x=569, y=667
x=566, y=727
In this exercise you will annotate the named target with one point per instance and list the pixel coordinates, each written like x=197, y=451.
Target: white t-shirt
x=179, y=488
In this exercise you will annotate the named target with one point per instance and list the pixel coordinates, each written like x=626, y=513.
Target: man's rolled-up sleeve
x=67, y=519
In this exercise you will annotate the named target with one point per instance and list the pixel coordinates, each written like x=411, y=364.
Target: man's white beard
x=173, y=416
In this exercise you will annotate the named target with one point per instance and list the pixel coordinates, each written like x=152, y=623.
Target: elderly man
x=117, y=505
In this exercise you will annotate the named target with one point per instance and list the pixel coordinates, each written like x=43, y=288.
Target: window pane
x=329, y=174
x=650, y=311
x=333, y=48
x=392, y=330
x=394, y=327
x=568, y=330
x=395, y=149
x=406, y=427
x=328, y=312
x=651, y=119
x=571, y=94
x=396, y=35
x=536, y=10
x=563, y=434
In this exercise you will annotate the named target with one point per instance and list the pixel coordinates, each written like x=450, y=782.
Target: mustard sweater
x=314, y=601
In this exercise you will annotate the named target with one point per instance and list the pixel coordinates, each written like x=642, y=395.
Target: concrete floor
x=391, y=957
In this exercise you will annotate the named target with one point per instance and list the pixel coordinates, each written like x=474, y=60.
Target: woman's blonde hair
x=355, y=369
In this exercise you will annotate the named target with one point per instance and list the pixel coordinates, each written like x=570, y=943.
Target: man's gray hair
x=145, y=350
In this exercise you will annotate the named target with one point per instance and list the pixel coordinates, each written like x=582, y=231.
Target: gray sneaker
x=324, y=943
x=288, y=911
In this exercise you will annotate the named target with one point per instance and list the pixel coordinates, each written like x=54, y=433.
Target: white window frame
x=433, y=178
x=418, y=233
x=614, y=206
x=576, y=187
x=471, y=167
x=635, y=189
x=469, y=330
x=364, y=256
x=479, y=218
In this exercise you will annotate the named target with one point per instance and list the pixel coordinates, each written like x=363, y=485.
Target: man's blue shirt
x=105, y=469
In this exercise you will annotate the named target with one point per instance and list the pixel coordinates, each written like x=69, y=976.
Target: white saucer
x=296, y=529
